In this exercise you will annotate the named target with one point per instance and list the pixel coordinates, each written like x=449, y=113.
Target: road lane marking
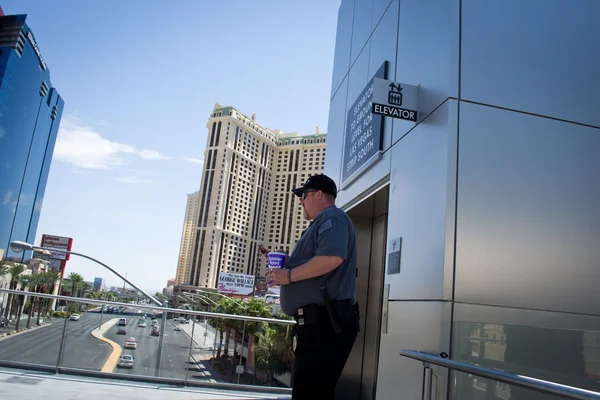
x=113, y=359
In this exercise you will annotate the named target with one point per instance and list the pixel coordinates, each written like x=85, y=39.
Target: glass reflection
x=569, y=357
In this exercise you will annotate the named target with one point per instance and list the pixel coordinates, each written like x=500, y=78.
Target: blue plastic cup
x=276, y=259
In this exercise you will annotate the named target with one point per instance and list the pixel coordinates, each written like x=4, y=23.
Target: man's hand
x=277, y=276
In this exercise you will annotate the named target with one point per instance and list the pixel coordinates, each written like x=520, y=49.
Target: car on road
x=122, y=331
x=126, y=361
x=155, y=332
x=142, y=324
x=122, y=322
x=184, y=321
x=177, y=329
x=75, y=317
x=131, y=343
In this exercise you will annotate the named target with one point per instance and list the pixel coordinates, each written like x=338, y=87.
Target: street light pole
x=18, y=246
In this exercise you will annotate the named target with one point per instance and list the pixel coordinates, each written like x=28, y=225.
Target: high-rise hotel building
x=30, y=113
x=245, y=198
x=187, y=238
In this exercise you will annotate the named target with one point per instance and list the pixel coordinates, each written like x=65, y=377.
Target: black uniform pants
x=321, y=353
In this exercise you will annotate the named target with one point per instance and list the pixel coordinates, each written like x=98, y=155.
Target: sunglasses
x=307, y=191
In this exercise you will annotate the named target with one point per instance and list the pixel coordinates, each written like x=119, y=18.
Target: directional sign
x=239, y=369
x=395, y=99
x=364, y=132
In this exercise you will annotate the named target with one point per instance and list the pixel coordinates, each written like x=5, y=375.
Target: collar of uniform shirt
x=316, y=266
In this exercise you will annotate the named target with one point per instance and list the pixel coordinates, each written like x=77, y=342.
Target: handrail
x=513, y=379
x=154, y=308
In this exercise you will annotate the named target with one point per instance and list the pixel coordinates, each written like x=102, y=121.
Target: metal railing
x=58, y=366
x=526, y=382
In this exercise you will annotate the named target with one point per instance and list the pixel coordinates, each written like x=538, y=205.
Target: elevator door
x=359, y=379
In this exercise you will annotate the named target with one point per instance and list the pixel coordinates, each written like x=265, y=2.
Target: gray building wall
x=495, y=191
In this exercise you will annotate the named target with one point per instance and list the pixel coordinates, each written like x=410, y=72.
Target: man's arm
x=316, y=266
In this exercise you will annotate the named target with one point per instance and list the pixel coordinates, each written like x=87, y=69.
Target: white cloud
x=152, y=155
x=83, y=147
x=194, y=160
x=7, y=197
x=134, y=179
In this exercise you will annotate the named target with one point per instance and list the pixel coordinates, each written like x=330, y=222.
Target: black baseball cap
x=317, y=182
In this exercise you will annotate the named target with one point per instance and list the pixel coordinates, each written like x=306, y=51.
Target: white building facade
x=243, y=200
x=187, y=238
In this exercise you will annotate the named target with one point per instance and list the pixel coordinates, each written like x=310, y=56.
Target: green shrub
x=58, y=314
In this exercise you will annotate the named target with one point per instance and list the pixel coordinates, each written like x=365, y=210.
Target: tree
x=24, y=282
x=53, y=277
x=34, y=281
x=76, y=280
x=14, y=271
x=4, y=270
x=273, y=352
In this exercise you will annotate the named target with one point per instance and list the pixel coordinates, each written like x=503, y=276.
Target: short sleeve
x=332, y=238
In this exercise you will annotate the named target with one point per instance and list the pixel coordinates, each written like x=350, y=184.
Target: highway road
x=174, y=356
x=41, y=346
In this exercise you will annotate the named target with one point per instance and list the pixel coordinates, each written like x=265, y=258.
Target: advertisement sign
x=395, y=99
x=238, y=284
x=364, y=130
x=59, y=242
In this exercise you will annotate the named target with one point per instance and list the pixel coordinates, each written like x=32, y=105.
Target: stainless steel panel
x=412, y=325
x=343, y=41
x=559, y=347
x=373, y=311
x=448, y=288
x=335, y=134
x=428, y=51
x=528, y=217
x=359, y=76
x=361, y=29
x=539, y=56
x=384, y=42
x=350, y=381
x=418, y=206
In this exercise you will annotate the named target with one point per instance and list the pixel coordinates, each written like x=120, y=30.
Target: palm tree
x=273, y=352
x=53, y=277
x=34, y=281
x=75, y=280
x=24, y=282
x=4, y=270
x=14, y=272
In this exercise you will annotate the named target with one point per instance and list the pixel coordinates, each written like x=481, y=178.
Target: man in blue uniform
x=318, y=290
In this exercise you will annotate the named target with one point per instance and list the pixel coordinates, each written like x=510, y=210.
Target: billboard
x=59, y=242
x=238, y=284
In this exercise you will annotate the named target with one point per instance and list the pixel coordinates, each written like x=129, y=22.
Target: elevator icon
x=395, y=95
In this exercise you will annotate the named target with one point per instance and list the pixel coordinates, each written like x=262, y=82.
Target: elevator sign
x=395, y=99
x=364, y=131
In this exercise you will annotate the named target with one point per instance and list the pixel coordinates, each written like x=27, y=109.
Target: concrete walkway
x=35, y=385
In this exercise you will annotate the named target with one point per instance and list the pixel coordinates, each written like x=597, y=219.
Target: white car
x=75, y=317
x=177, y=328
x=131, y=343
x=126, y=361
x=141, y=325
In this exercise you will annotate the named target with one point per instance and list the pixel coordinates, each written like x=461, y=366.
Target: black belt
x=315, y=313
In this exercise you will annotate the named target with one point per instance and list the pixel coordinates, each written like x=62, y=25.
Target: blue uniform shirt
x=330, y=234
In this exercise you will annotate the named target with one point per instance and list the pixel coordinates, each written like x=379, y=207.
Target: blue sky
x=139, y=79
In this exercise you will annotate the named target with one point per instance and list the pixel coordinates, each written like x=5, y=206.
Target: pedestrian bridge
x=80, y=358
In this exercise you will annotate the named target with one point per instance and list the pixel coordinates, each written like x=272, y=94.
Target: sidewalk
x=202, y=350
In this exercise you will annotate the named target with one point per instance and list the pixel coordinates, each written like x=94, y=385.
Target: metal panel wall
x=528, y=216
x=418, y=206
x=539, y=56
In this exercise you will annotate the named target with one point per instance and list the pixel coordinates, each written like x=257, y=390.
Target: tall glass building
x=30, y=112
